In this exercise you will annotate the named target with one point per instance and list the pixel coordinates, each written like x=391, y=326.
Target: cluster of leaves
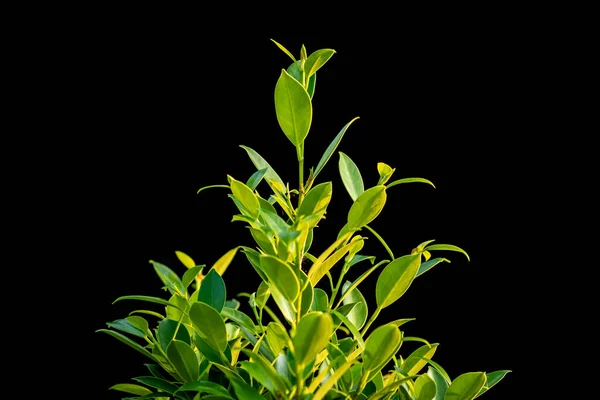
x=306, y=337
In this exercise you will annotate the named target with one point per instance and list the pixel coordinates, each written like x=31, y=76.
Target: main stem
x=300, y=153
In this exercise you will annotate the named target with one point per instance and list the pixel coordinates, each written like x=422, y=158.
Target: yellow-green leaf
x=425, y=388
x=293, y=108
x=312, y=335
x=209, y=325
x=222, y=263
x=366, y=207
x=396, y=278
x=282, y=276
x=466, y=386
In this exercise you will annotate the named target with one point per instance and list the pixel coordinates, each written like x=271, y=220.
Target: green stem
x=371, y=320
x=300, y=153
x=387, y=248
x=299, y=382
x=334, y=292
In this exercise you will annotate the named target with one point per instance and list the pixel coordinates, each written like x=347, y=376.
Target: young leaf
x=131, y=388
x=410, y=180
x=331, y=148
x=212, y=290
x=385, y=173
x=396, y=278
x=190, y=275
x=366, y=207
x=449, y=247
x=261, y=163
x=286, y=51
x=351, y=176
x=246, y=197
x=281, y=276
x=358, y=315
x=186, y=260
x=169, y=278
x=209, y=325
x=316, y=60
x=312, y=335
x=425, y=388
x=466, y=386
x=256, y=177
x=293, y=108
x=380, y=347
x=222, y=263
x=492, y=379
x=183, y=358
x=441, y=385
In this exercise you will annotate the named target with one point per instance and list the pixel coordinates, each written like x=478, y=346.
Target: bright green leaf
x=281, y=276
x=212, y=290
x=410, y=180
x=323, y=265
x=466, y=386
x=316, y=60
x=222, y=263
x=131, y=388
x=286, y=51
x=366, y=207
x=418, y=359
x=396, y=278
x=449, y=247
x=293, y=108
x=358, y=315
x=316, y=200
x=425, y=388
x=239, y=318
x=245, y=196
x=312, y=335
x=380, y=347
x=321, y=301
x=186, y=260
x=210, y=326
x=277, y=337
x=492, y=379
x=351, y=176
x=183, y=358
x=169, y=278
x=385, y=173
x=399, y=322
x=348, y=289
x=440, y=383
x=331, y=148
x=260, y=163
x=190, y=275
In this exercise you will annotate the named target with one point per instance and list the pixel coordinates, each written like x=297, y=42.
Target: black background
x=163, y=114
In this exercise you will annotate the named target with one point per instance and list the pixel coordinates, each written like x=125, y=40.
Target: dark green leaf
x=245, y=391
x=125, y=326
x=466, y=386
x=129, y=342
x=440, y=383
x=366, y=207
x=396, y=278
x=157, y=383
x=492, y=379
x=210, y=326
x=166, y=333
x=351, y=176
x=183, y=358
x=206, y=350
x=256, y=177
x=149, y=299
x=427, y=265
x=212, y=290
x=169, y=278
x=239, y=318
x=293, y=108
x=205, y=387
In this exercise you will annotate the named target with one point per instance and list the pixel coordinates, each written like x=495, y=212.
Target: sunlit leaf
x=331, y=148
x=286, y=51
x=492, y=379
x=466, y=386
x=222, y=263
x=380, y=347
x=358, y=315
x=410, y=180
x=396, y=278
x=261, y=370
x=316, y=200
x=316, y=60
x=282, y=276
x=186, y=260
x=239, y=318
x=190, y=275
x=169, y=278
x=209, y=325
x=293, y=108
x=425, y=388
x=417, y=359
x=427, y=265
x=260, y=163
x=449, y=247
x=351, y=176
x=131, y=388
x=385, y=173
x=245, y=196
x=366, y=207
x=321, y=301
x=347, y=289
x=312, y=336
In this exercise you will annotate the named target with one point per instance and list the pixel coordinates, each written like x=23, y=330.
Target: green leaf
x=147, y=312
x=207, y=387
x=466, y=386
x=415, y=362
x=321, y=301
x=380, y=347
x=277, y=337
x=312, y=335
x=131, y=388
x=427, y=265
x=261, y=370
x=425, y=388
x=210, y=326
x=358, y=315
x=385, y=173
x=125, y=326
x=347, y=289
x=294, y=71
x=351, y=176
x=190, y=275
x=149, y=299
x=186, y=260
x=331, y=148
x=449, y=247
x=207, y=351
x=184, y=359
x=392, y=387
x=293, y=108
x=492, y=379
x=399, y=322
x=245, y=391
x=239, y=318
x=245, y=196
x=212, y=290
x=260, y=163
x=366, y=207
x=262, y=295
x=281, y=276
x=256, y=177
x=323, y=265
x=177, y=313
x=129, y=342
x=157, y=383
x=316, y=200
x=410, y=180
x=222, y=263
x=166, y=332
x=212, y=187
x=355, y=333
x=286, y=51
x=396, y=278
x=316, y=60
x=139, y=323
x=169, y=278
x=440, y=383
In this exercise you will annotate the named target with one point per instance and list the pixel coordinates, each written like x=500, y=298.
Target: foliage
x=307, y=337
